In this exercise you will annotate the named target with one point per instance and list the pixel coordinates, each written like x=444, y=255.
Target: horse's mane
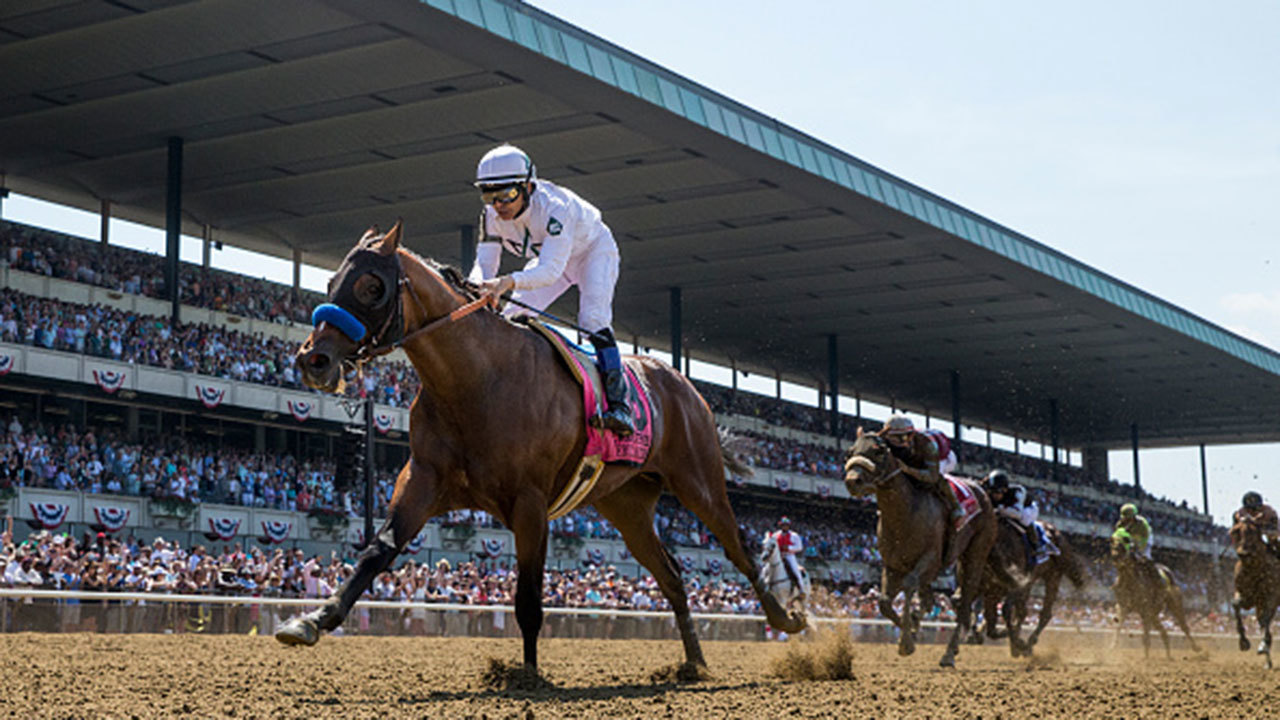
x=452, y=275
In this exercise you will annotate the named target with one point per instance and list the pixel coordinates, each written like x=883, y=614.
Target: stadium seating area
x=40, y=453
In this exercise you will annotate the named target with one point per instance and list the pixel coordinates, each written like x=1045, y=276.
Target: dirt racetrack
x=123, y=676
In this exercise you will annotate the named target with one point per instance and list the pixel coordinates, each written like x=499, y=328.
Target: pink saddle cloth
x=968, y=501
x=633, y=449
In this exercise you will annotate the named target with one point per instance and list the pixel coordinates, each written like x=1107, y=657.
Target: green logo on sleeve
x=554, y=227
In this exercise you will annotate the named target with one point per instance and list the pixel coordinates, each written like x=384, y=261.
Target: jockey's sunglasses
x=500, y=196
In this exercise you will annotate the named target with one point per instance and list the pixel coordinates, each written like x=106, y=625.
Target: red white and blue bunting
x=595, y=556
x=111, y=518
x=836, y=575
x=782, y=483
x=687, y=564
x=277, y=531
x=110, y=380
x=493, y=547
x=624, y=554
x=211, y=397
x=415, y=545
x=301, y=409
x=384, y=422
x=714, y=567
x=824, y=490
x=358, y=538
x=224, y=527
x=49, y=515
x=6, y=364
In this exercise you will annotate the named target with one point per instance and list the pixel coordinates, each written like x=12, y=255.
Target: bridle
x=869, y=465
x=377, y=344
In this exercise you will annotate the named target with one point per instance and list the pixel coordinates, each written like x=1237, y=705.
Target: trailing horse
x=1257, y=580
x=1010, y=553
x=773, y=575
x=911, y=533
x=1147, y=588
x=499, y=425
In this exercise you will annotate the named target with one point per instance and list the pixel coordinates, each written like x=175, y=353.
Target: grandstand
x=145, y=407
x=176, y=468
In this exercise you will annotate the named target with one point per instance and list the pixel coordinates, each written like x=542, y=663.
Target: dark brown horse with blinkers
x=1257, y=580
x=499, y=425
x=912, y=538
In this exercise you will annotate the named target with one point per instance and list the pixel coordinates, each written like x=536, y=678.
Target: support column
x=297, y=272
x=677, y=329
x=857, y=404
x=4, y=193
x=955, y=413
x=733, y=373
x=1137, y=475
x=131, y=422
x=206, y=254
x=777, y=377
x=259, y=438
x=104, y=227
x=1204, y=479
x=1053, y=437
x=173, y=224
x=1096, y=465
x=467, y=247
x=833, y=381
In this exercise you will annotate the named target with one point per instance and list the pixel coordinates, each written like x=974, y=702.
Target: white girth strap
x=579, y=486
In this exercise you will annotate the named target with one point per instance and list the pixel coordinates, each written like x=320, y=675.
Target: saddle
x=602, y=446
x=967, y=500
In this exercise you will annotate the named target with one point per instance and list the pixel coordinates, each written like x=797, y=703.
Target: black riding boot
x=617, y=418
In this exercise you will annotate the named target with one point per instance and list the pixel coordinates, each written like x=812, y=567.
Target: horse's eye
x=368, y=289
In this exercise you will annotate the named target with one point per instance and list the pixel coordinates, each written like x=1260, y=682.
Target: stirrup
x=614, y=420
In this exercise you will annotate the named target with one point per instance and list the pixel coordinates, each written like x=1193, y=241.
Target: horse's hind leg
x=630, y=510
x=411, y=504
x=1237, y=608
x=1180, y=616
x=699, y=486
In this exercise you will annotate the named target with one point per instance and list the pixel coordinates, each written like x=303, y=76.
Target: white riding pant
x=595, y=272
x=790, y=560
x=948, y=463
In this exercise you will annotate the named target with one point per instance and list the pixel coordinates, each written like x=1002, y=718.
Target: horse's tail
x=728, y=450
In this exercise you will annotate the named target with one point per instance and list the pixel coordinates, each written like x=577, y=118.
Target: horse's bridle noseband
x=866, y=461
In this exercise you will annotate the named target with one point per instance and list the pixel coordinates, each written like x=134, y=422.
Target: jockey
x=919, y=454
x=1253, y=510
x=1011, y=500
x=789, y=545
x=566, y=243
x=1138, y=528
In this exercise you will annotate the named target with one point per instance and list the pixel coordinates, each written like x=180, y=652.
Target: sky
x=1141, y=138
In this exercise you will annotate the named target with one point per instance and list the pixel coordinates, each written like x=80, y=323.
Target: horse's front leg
x=411, y=504
x=528, y=522
x=1237, y=607
x=1264, y=619
x=1051, y=584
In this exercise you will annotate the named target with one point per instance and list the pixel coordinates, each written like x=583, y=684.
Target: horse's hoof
x=905, y=650
x=947, y=661
x=1244, y=645
x=1263, y=649
x=301, y=630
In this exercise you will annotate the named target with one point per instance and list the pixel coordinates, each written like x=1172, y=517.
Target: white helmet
x=504, y=165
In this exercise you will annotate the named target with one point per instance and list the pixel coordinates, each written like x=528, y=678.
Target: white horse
x=773, y=575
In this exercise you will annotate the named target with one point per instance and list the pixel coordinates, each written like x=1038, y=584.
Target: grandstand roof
x=305, y=121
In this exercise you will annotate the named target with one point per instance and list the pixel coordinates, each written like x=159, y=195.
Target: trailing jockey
x=566, y=243
x=1140, y=531
x=1012, y=500
x=790, y=544
x=922, y=459
x=1254, y=511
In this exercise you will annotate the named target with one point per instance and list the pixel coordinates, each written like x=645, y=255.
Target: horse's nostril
x=318, y=361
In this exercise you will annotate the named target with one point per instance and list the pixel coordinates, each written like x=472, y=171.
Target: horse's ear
x=372, y=232
x=391, y=241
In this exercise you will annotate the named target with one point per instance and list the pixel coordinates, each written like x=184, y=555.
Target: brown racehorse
x=911, y=534
x=1010, y=553
x=498, y=425
x=1257, y=578
x=1147, y=588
